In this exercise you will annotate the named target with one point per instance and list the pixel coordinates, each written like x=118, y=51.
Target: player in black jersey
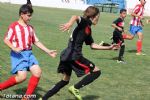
x=118, y=24
x=72, y=58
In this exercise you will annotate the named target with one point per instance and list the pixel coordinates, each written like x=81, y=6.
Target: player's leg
x=127, y=36
x=139, y=43
x=57, y=87
x=18, y=68
x=13, y=80
x=132, y=30
x=81, y=67
x=130, y=36
x=88, y=78
x=34, y=79
x=66, y=70
x=121, y=53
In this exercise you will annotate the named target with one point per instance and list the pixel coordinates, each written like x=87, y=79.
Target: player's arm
x=8, y=37
x=67, y=26
x=9, y=44
x=37, y=43
x=95, y=20
x=100, y=47
x=117, y=27
x=136, y=15
x=52, y=53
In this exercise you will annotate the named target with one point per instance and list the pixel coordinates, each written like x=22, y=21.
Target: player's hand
x=147, y=21
x=17, y=50
x=52, y=53
x=120, y=29
x=65, y=27
x=141, y=17
x=114, y=47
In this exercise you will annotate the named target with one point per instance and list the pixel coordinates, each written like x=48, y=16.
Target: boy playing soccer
x=136, y=26
x=118, y=24
x=19, y=38
x=72, y=58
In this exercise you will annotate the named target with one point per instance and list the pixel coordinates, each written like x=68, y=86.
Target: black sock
x=87, y=79
x=121, y=52
x=55, y=89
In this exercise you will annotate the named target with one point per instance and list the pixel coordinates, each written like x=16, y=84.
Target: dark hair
x=29, y=3
x=91, y=11
x=25, y=9
x=123, y=10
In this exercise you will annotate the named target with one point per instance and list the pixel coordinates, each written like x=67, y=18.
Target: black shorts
x=81, y=67
x=118, y=39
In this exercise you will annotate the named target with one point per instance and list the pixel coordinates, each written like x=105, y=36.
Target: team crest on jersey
x=88, y=30
x=121, y=24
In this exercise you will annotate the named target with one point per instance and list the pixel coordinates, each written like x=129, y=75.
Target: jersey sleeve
x=116, y=21
x=89, y=40
x=9, y=34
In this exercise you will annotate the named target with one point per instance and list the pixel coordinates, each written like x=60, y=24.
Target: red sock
x=8, y=83
x=33, y=82
x=124, y=36
x=139, y=45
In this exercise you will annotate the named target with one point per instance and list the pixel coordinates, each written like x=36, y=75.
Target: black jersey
x=81, y=34
x=120, y=23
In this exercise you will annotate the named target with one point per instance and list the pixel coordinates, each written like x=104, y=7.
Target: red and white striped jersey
x=21, y=36
x=139, y=10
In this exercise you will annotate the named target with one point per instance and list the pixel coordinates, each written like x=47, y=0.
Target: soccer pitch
x=130, y=81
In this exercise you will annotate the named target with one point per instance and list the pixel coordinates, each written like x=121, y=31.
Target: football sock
x=121, y=52
x=87, y=79
x=8, y=83
x=139, y=45
x=55, y=89
x=33, y=82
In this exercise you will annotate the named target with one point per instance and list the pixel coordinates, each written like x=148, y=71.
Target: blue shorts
x=135, y=29
x=22, y=61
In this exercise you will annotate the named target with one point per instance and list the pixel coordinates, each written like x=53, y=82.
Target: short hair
x=123, y=10
x=90, y=12
x=25, y=9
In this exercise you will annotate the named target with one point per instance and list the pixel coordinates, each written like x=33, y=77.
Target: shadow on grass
x=114, y=58
x=88, y=97
x=131, y=51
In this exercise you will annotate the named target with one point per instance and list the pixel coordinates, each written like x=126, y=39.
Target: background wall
x=73, y=4
x=79, y=4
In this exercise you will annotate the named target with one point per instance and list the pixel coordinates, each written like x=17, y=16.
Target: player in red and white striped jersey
x=19, y=38
x=136, y=26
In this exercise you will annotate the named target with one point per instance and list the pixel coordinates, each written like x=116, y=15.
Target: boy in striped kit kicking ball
x=19, y=38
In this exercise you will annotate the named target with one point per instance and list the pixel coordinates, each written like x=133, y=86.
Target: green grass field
x=129, y=81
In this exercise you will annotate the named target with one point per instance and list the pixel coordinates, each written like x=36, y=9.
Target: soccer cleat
x=101, y=43
x=121, y=61
x=140, y=54
x=40, y=99
x=75, y=92
x=1, y=95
